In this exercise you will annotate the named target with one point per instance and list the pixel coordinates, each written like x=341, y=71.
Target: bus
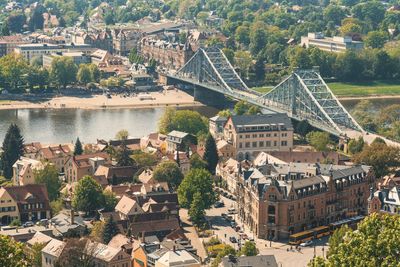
x=297, y=239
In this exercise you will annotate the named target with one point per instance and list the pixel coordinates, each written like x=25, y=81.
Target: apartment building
x=9, y=43
x=252, y=134
x=76, y=167
x=23, y=170
x=334, y=44
x=276, y=200
x=386, y=198
x=56, y=155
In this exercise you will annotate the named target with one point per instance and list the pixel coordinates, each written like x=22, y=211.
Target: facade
x=9, y=43
x=23, y=170
x=336, y=44
x=33, y=51
x=26, y=203
x=125, y=40
x=51, y=252
x=76, y=167
x=216, y=126
x=107, y=256
x=168, y=55
x=249, y=261
x=56, y=155
x=180, y=258
x=252, y=134
x=229, y=173
x=386, y=199
x=77, y=57
x=276, y=200
x=177, y=140
x=225, y=149
x=32, y=149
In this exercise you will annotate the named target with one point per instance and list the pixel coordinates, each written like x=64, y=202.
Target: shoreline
x=368, y=97
x=159, y=99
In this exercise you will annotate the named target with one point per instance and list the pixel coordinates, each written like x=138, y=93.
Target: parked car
x=233, y=239
x=233, y=224
x=219, y=204
x=229, y=218
x=306, y=244
x=231, y=211
x=28, y=224
x=243, y=236
x=237, y=228
x=224, y=215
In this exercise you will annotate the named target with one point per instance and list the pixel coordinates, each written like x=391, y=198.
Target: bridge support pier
x=209, y=97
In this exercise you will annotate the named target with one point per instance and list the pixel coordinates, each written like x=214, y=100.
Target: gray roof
x=178, y=134
x=262, y=119
x=252, y=261
x=218, y=119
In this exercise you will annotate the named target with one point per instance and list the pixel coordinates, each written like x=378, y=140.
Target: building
x=177, y=140
x=9, y=43
x=180, y=258
x=107, y=256
x=331, y=157
x=252, y=134
x=183, y=161
x=36, y=51
x=335, y=44
x=101, y=39
x=23, y=170
x=56, y=155
x=25, y=234
x=25, y=203
x=51, y=252
x=76, y=167
x=216, y=126
x=143, y=82
x=228, y=171
x=168, y=55
x=124, y=40
x=276, y=200
x=225, y=149
x=386, y=199
x=249, y=261
x=108, y=174
x=77, y=57
x=32, y=149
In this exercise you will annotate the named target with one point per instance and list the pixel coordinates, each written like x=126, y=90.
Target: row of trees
x=16, y=73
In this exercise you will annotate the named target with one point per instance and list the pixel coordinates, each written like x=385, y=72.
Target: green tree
x=15, y=22
x=211, y=154
x=122, y=135
x=5, y=30
x=196, y=162
x=13, y=69
x=380, y=156
x=197, y=180
x=356, y=146
x=372, y=244
x=183, y=120
x=243, y=61
x=254, y=110
x=168, y=171
x=334, y=13
x=94, y=72
x=249, y=249
x=135, y=57
x=56, y=206
x=15, y=222
x=84, y=74
x=225, y=251
x=13, y=145
x=144, y=160
x=241, y=107
x=110, y=201
x=319, y=140
x=258, y=37
x=78, y=150
x=225, y=113
x=63, y=71
x=110, y=229
x=376, y=39
x=35, y=254
x=88, y=195
x=109, y=18
x=11, y=253
x=49, y=176
x=196, y=211
x=123, y=156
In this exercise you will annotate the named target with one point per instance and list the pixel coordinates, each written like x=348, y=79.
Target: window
x=247, y=144
x=275, y=134
x=268, y=143
x=247, y=136
x=254, y=135
x=240, y=136
x=240, y=145
x=284, y=143
x=284, y=134
x=275, y=143
x=261, y=144
x=268, y=135
x=254, y=144
x=261, y=135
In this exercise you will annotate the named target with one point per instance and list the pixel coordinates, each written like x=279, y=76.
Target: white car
x=306, y=244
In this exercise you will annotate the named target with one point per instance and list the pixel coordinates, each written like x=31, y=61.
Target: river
x=54, y=126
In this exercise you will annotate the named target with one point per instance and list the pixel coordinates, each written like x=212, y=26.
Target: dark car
x=233, y=239
x=233, y=224
x=219, y=204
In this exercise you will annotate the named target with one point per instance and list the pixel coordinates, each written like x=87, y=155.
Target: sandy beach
x=159, y=99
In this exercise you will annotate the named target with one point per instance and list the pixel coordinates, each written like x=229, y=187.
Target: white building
x=331, y=44
x=177, y=258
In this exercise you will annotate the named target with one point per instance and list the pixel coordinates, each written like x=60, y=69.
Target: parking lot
x=285, y=254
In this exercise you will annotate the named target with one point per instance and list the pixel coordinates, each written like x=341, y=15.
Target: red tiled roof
x=31, y=193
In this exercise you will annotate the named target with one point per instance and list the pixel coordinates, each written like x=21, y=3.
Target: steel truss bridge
x=303, y=95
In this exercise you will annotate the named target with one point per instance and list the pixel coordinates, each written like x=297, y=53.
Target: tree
x=135, y=57
x=380, y=156
x=88, y=195
x=303, y=128
x=13, y=145
x=16, y=22
x=11, y=252
x=110, y=201
x=110, y=230
x=249, y=249
x=168, y=171
x=5, y=30
x=123, y=156
x=196, y=211
x=211, y=154
x=78, y=150
x=35, y=254
x=63, y=71
x=225, y=113
x=49, y=176
x=197, y=180
x=254, y=110
x=144, y=160
x=187, y=121
x=94, y=72
x=84, y=74
x=225, y=251
x=258, y=37
x=319, y=140
x=36, y=20
x=109, y=18
x=334, y=13
x=243, y=61
x=13, y=69
x=356, y=146
x=122, y=135
x=372, y=244
x=196, y=162
x=241, y=107
x=376, y=39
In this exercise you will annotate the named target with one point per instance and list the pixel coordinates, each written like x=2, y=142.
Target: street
x=284, y=256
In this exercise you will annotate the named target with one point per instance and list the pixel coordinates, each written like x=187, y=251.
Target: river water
x=65, y=125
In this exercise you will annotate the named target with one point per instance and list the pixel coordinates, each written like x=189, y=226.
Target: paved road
x=285, y=258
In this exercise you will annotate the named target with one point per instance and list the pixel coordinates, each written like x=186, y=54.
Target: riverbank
x=158, y=99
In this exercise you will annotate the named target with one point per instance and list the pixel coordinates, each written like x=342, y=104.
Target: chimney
x=143, y=237
x=72, y=217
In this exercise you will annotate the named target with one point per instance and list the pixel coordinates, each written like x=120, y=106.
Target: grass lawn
x=366, y=88
x=356, y=89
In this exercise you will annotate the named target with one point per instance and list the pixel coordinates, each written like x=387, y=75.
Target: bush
x=15, y=222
